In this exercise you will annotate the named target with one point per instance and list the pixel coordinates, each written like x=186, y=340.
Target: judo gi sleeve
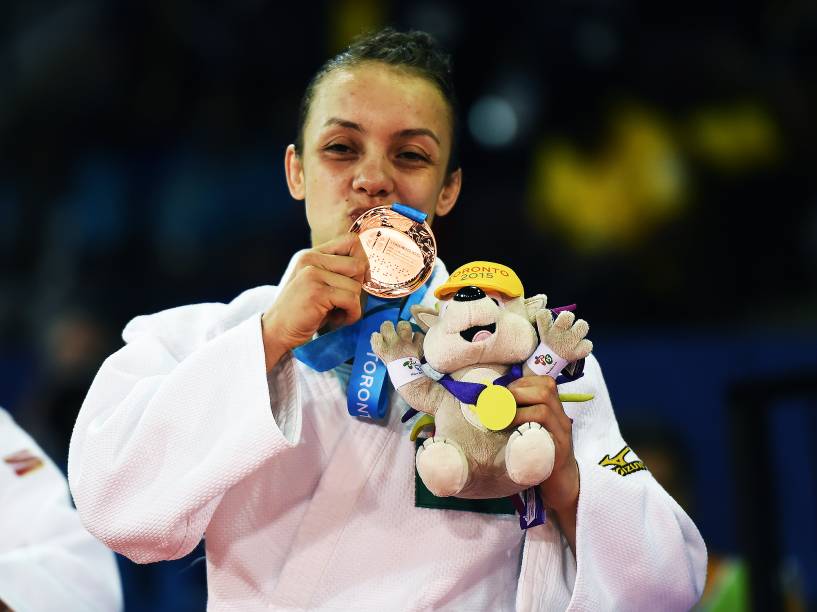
x=173, y=419
x=636, y=548
x=48, y=561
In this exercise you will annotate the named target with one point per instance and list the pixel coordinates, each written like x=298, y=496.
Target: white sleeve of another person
x=48, y=561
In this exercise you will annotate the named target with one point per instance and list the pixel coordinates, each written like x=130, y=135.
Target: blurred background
x=654, y=163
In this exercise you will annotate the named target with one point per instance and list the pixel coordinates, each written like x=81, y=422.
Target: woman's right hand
x=324, y=289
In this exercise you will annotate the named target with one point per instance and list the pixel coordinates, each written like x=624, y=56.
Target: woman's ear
x=449, y=193
x=294, y=169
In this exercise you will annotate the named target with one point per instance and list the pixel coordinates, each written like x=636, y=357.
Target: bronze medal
x=401, y=251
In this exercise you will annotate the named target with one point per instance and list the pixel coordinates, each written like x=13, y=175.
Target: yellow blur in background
x=641, y=174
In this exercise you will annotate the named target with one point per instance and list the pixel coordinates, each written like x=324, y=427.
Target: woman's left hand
x=537, y=399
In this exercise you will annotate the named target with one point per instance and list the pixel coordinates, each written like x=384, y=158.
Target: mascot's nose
x=469, y=294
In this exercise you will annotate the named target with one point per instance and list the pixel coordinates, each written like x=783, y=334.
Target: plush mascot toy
x=482, y=336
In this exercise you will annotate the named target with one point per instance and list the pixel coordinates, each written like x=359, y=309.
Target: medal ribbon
x=330, y=350
x=364, y=395
x=468, y=392
x=529, y=506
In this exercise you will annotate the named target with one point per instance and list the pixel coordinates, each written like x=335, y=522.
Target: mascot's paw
x=442, y=466
x=565, y=335
x=391, y=343
x=529, y=454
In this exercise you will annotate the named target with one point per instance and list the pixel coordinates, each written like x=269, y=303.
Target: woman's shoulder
x=206, y=319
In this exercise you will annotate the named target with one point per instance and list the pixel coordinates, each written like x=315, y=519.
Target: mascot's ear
x=425, y=317
x=535, y=304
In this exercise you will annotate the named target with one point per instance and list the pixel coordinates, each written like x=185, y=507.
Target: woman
x=203, y=424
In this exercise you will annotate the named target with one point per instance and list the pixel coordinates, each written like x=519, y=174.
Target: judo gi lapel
x=353, y=459
x=355, y=456
x=335, y=504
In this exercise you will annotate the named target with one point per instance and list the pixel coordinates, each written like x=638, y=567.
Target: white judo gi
x=48, y=561
x=184, y=435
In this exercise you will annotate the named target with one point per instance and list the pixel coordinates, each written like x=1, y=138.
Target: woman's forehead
x=377, y=96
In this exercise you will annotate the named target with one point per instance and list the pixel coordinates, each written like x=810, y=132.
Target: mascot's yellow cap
x=485, y=275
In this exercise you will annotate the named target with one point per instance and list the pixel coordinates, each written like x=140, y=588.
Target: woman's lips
x=354, y=214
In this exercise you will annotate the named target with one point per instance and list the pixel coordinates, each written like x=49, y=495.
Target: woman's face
x=374, y=135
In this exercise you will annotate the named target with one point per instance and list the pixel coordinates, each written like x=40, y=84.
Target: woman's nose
x=373, y=178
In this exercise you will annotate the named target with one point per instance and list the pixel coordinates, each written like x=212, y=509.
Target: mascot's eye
x=498, y=300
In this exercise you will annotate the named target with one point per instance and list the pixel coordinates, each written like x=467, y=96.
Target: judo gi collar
x=364, y=394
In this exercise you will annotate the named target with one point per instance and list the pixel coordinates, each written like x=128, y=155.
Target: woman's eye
x=338, y=148
x=413, y=156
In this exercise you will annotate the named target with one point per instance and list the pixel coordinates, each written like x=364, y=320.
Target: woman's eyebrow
x=418, y=132
x=407, y=133
x=344, y=123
